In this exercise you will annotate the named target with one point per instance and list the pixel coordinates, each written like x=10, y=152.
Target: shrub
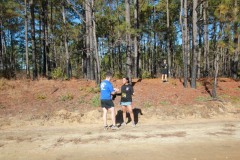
x=97, y=89
x=90, y=89
x=95, y=101
x=93, y=89
x=3, y=84
x=57, y=73
x=41, y=96
x=118, y=75
x=2, y=106
x=66, y=97
x=81, y=100
x=146, y=74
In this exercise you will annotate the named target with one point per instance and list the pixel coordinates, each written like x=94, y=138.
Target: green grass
x=92, y=89
x=2, y=106
x=81, y=100
x=95, y=101
x=41, y=96
x=147, y=104
x=224, y=96
x=3, y=84
x=164, y=103
x=66, y=97
x=202, y=99
x=81, y=88
x=238, y=89
x=235, y=99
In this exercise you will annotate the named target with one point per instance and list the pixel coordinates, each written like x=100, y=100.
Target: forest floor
x=61, y=120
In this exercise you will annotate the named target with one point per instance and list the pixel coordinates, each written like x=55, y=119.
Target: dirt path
x=181, y=140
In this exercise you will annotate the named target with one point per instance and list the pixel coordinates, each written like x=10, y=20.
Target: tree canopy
x=86, y=38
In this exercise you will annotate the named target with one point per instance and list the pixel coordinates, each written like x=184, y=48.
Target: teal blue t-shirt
x=106, y=90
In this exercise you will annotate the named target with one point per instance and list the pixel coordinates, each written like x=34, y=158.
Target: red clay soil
x=48, y=96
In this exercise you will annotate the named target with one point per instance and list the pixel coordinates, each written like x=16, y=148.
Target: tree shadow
x=136, y=113
x=182, y=81
x=139, y=80
x=115, y=95
x=206, y=83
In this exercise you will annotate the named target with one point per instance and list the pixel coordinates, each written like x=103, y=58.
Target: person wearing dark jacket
x=126, y=100
x=164, y=71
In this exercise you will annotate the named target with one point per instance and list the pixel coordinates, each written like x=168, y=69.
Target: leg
x=124, y=109
x=131, y=113
x=113, y=116
x=104, y=116
x=162, y=77
x=165, y=77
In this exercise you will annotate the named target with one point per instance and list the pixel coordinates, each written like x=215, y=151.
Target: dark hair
x=126, y=79
x=108, y=74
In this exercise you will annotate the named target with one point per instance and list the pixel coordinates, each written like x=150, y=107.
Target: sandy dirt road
x=175, y=140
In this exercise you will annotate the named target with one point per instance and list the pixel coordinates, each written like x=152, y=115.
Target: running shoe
x=133, y=124
x=114, y=128
x=123, y=124
x=105, y=127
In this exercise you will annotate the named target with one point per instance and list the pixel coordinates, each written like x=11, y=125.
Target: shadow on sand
x=136, y=113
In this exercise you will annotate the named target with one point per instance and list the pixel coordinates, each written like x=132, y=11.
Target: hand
x=116, y=89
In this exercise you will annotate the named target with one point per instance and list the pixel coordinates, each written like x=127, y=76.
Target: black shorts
x=164, y=71
x=107, y=103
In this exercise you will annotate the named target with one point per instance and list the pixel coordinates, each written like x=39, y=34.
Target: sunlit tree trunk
x=216, y=68
x=136, y=39
x=206, y=44
x=185, y=43
x=128, y=40
x=66, y=43
x=95, y=47
x=88, y=49
x=194, y=46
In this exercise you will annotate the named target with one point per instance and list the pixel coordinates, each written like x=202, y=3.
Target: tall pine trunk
x=136, y=38
x=206, y=44
x=26, y=40
x=1, y=48
x=185, y=42
x=66, y=43
x=168, y=41
x=46, y=60
x=236, y=41
x=95, y=48
x=128, y=41
x=88, y=51
x=34, y=62
x=216, y=66
x=194, y=46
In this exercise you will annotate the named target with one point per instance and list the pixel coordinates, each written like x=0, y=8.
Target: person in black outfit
x=126, y=100
x=164, y=70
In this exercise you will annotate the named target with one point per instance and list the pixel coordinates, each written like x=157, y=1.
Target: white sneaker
x=133, y=124
x=105, y=127
x=124, y=124
x=114, y=128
